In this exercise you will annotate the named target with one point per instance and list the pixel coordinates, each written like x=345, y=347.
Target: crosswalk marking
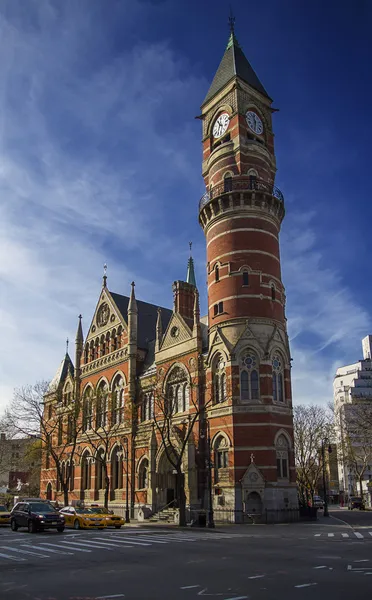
x=124, y=541
x=318, y=534
x=48, y=550
x=15, y=558
x=155, y=541
x=88, y=544
x=370, y=532
x=331, y=535
x=358, y=535
x=62, y=546
x=345, y=535
x=12, y=549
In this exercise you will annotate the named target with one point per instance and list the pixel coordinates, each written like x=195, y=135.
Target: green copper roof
x=190, y=277
x=234, y=64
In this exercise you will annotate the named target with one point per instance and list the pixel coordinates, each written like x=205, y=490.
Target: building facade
x=229, y=371
x=352, y=393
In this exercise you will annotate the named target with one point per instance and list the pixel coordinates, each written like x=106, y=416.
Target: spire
x=104, y=283
x=234, y=64
x=159, y=331
x=132, y=306
x=79, y=334
x=67, y=345
x=190, y=277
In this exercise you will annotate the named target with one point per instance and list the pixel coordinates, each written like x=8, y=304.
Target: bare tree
x=313, y=424
x=39, y=412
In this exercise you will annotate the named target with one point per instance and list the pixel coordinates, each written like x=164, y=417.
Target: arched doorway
x=49, y=491
x=166, y=482
x=253, y=503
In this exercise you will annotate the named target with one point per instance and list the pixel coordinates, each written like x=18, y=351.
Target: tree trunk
x=107, y=490
x=181, y=497
x=65, y=493
x=361, y=487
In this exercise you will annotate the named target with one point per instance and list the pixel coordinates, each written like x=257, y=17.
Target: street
x=230, y=563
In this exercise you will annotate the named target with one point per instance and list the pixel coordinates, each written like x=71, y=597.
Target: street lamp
x=127, y=519
x=211, y=524
x=329, y=449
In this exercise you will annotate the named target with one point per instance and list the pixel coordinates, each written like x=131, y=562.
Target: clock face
x=221, y=125
x=254, y=122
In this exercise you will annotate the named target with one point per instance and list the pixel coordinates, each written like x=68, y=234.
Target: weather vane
x=231, y=21
x=190, y=244
x=67, y=346
x=104, y=274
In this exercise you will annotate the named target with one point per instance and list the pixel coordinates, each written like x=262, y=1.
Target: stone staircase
x=166, y=515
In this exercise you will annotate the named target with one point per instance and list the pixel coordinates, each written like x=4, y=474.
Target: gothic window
x=282, y=462
x=221, y=456
x=71, y=466
x=227, y=183
x=278, y=379
x=67, y=394
x=220, y=308
x=272, y=292
x=96, y=348
x=103, y=345
x=86, y=354
x=186, y=397
x=102, y=405
x=143, y=474
x=245, y=278
x=87, y=410
x=117, y=469
x=118, y=401
x=219, y=380
x=100, y=470
x=215, y=310
x=252, y=179
x=249, y=376
x=120, y=331
x=176, y=396
x=216, y=273
x=114, y=341
x=92, y=351
x=147, y=407
x=85, y=471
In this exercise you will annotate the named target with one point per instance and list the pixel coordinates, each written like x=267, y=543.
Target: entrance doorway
x=49, y=491
x=166, y=483
x=253, y=503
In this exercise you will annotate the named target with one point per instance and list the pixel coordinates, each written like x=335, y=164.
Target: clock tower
x=241, y=214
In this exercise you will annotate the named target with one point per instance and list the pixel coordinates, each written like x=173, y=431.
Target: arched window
x=252, y=179
x=92, y=351
x=100, y=470
x=216, y=273
x=177, y=379
x=86, y=354
x=249, y=376
x=87, y=410
x=118, y=401
x=227, y=183
x=71, y=466
x=147, y=407
x=96, y=350
x=102, y=405
x=282, y=462
x=245, y=278
x=278, y=379
x=114, y=341
x=116, y=469
x=67, y=394
x=143, y=474
x=85, y=471
x=120, y=331
x=219, y=380
x=221, y=457
x=272, y=292
x=102, y=345
x=186, y=397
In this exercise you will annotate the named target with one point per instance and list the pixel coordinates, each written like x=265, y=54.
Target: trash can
x=202, y=520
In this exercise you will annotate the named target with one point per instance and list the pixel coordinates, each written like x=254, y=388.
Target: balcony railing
x=240, y=184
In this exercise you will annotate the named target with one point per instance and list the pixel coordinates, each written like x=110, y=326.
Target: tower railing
x=240, y=184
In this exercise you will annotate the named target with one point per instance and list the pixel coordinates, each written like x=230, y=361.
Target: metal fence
x=285, y=515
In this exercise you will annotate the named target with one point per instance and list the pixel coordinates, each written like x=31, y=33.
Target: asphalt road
x=296, y=561
x=355, y=518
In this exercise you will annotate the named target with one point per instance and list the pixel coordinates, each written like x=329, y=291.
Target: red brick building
x=235, y=361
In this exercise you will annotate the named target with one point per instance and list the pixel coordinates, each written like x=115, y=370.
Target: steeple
x=190, y=277
x=233, y=64
x=159, y=331
x=79, y=334
x=79, y=340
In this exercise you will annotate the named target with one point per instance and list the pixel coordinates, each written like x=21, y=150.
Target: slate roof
x=147, y=316
x=65, y=368
x=234, y=64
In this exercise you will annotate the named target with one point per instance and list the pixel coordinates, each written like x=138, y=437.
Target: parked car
x=112, y=520
x=82, y=518
x=355, y=502
x=36, y=516
x=4, y=515
x=318, y=502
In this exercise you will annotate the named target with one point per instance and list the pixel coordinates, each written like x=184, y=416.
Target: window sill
x=219, y=314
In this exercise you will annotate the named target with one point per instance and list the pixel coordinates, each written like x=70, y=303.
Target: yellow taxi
x=4, y=515
x=82, y=518
x=112, y=520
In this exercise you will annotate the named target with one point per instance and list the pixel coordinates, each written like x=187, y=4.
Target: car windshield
x=3, y=508
x=83, y=511
x=41, y=507
x=99, y=510
x=356, y=499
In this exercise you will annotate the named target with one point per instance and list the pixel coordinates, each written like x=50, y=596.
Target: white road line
x=107, y=597
x=256, y=577
x=331, y=535
x=321, y=567
x=49, y=549
x=104, y=543
x=64, y=547
x=358, y=535
x=237, y=598
x=305, y=585
x=153, y=541
x=16, y=558
x=370, y=532
x=345, y=535
x=317, y=535
x=24, y=551
x=189, y=587
x=124, y=541
x=90, y=545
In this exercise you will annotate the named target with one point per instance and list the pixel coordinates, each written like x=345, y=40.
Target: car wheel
x=31, y=527
x=13, y=525
x=117, y=526
x=76, y=524
x=60, y=529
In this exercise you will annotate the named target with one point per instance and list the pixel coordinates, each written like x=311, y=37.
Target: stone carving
x=103, y=315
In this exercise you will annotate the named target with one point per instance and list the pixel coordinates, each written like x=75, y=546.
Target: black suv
x=36, y=515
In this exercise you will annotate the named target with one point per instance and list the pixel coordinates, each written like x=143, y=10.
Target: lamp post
x=211, y=524
x=324, y=442
x=125, y=442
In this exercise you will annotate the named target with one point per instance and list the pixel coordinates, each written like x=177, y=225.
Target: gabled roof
x=65, y=368
x=147, y=316
x=234, y=64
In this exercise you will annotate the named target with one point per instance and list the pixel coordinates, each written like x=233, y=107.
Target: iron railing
x=241, y=184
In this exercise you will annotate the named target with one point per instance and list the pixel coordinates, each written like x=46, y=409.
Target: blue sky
x=100, y=161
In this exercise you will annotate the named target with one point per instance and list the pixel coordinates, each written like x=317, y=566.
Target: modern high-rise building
x=231, y=369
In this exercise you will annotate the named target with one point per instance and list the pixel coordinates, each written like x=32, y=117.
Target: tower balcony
x=241, y=193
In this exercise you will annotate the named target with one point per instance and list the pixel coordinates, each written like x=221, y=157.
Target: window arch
x=118, y=400
x=278, y=378
x=227, y=182
x=92, y=350
x=85, y=470
x=143, y=474
x=100, y=470
x=86, y=353
x=67, y=394
x=249, y=376
x=114, y=340
x=219, y=380
x=282, y=457
x=245, y=278
x=221, y=457
x=71, y=466
x=117, y=468
x=273, y=292
x=96, y=345
x=88, y=409
x=102, y=345
x=252, y=173
x=147, y=407
x=175, y=389
x=102, y=405
x=216, y=273
x=120, y=331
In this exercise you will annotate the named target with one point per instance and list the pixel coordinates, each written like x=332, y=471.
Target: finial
x=104, y=275
x=190, y=244
x=231, y=21
x=80, y=317
x=132, y=284
x=67, y=346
